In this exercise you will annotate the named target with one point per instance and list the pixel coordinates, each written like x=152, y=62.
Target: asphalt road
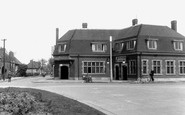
x=116, y=98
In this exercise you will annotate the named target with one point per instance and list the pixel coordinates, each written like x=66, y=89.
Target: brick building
x=136, y=51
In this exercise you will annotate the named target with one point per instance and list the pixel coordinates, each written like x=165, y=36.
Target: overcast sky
x=29, y=25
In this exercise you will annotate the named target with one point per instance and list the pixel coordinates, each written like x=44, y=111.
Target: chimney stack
x=134, y=22
x=84, y=25
x=174, y=25
x=57, y=34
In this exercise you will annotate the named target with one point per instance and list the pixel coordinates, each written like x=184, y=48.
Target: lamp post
x=111, y=59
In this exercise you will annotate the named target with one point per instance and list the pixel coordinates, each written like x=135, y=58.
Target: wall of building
x=164, y=59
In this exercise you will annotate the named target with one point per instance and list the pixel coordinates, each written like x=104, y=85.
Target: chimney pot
x=84, y=25
x=134, y=22
x=174, y=25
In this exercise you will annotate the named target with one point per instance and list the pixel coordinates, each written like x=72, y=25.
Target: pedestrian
x=152, y=75
x=9, y=76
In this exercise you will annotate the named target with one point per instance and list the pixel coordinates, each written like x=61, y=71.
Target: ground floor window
x=170, y=67
x=144, y=66
x=93, y=67
x=182, y=67
x=157, y=66
x=132, y=67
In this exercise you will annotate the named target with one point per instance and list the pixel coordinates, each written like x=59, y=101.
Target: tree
x=50, y=65
x=43, y=65
x=21, y=70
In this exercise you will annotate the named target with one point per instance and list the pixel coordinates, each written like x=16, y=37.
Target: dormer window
x=119, y=46
x=99, y=47
x=178, y=45
x=152, y=43
x=131, y=44
x=62, y=47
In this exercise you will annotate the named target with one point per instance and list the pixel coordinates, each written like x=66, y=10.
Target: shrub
x=23, y=103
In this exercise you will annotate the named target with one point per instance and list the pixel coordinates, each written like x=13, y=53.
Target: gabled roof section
x=148, y=30
x=129, y=32
x=160, y=31
x=33, y=65
x=67, y=36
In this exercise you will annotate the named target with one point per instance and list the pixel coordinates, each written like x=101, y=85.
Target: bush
x=22, y=103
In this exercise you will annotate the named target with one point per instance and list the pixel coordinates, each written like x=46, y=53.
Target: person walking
x=9, y=76
x=152, y=75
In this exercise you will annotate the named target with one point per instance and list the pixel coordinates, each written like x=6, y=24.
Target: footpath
x=49, y=79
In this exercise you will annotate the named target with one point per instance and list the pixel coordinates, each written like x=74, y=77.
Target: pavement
x=49, y=79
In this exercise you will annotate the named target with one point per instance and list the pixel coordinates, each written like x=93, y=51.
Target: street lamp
x=111, y=59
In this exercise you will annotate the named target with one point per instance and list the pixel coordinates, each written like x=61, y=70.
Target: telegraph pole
x=3, y=58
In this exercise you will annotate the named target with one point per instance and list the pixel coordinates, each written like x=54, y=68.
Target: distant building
x=11, y=62
x=136, y=51
x=33, y=68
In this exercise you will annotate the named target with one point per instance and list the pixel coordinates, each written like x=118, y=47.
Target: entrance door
x=124, y=72
x=64, y=70
x=117, y=72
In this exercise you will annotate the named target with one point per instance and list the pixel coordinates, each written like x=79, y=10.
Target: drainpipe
x=78, y=67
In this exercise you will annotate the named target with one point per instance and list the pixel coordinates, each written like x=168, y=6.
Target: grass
x=57, y=104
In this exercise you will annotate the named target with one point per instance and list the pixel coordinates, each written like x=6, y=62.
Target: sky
x=30, y=25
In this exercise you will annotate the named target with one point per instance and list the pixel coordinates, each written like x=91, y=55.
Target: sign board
x=121, y=59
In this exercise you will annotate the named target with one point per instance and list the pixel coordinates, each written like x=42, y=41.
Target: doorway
x=64, y=72
x=124, y=72
x=117, y=74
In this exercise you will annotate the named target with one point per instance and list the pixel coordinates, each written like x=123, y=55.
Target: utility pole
x=111, y=75
x=4, y=58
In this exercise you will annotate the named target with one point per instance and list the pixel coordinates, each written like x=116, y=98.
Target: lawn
x=27, y=101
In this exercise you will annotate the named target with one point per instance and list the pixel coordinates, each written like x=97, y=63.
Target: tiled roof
x=7, y=57
x=79, y=40
x=33, y=65
x=89, y=34
x=148, y=30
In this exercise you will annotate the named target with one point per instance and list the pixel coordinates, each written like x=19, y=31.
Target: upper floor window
x=99, y=47
x=152, y=44
x=178, y=45
x=119, y=46
x=62, y=47
x=131, y=45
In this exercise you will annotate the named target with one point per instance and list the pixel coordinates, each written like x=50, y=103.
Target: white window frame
x=144, y=65
x=178, y=45
x=170, y=66
x=95, y=67
x=99, y=47
x=180, y=67
x=155, y=44
x=157, y=66
x=131, y=44
x=132, y=68
x=60, y=49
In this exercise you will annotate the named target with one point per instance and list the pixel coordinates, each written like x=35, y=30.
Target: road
x=116, y=98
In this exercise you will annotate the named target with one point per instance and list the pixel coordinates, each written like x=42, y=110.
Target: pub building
x=136, y=51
